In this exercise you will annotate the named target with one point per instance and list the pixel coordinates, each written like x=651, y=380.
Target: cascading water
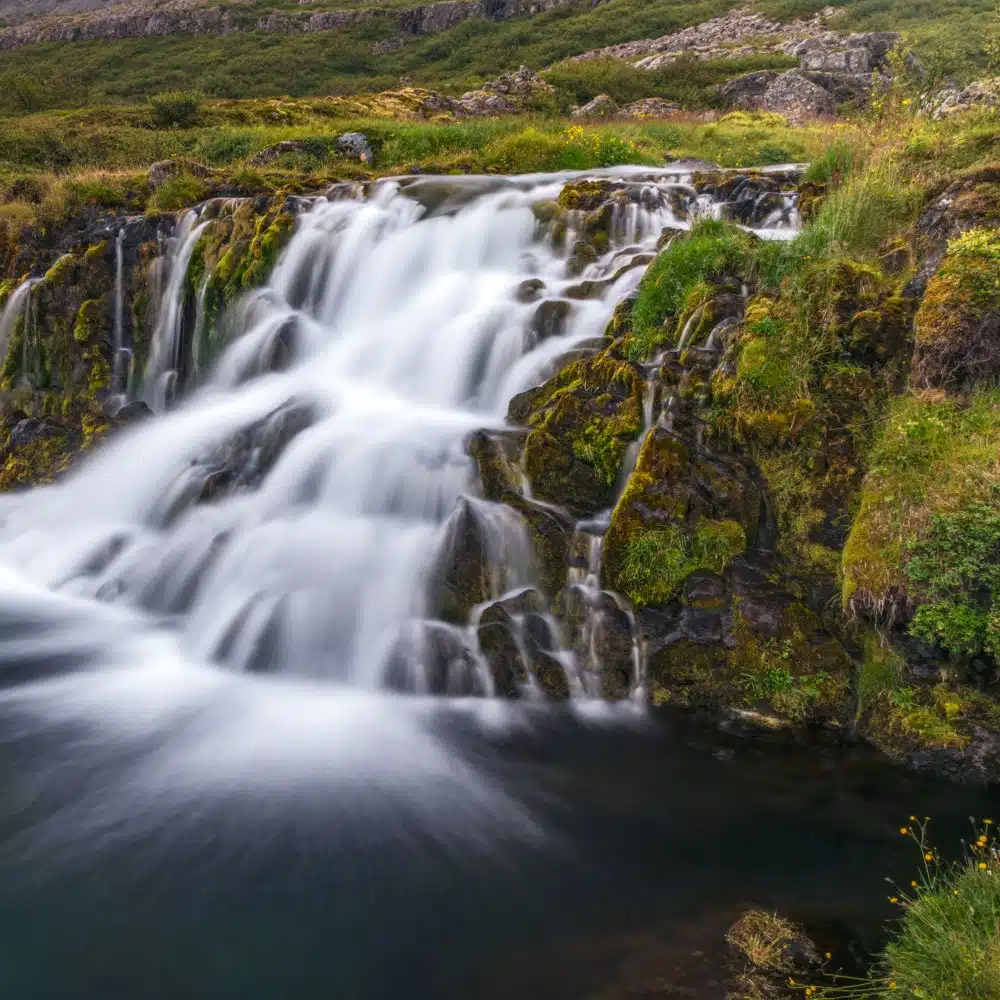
x=317, y=557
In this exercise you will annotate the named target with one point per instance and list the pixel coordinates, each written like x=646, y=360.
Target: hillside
x=246, y=50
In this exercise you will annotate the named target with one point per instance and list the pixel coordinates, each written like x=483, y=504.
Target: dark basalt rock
x=462, y=575
x=551, y=533
x=550, y=318
x=249, y=455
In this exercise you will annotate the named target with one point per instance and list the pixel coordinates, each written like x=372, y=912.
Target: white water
x=409, y=335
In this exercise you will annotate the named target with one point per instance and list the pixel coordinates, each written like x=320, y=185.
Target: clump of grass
x=576, y=148
x=712, y=250
x=948, y=943
x=766, y=940
x=178, y=192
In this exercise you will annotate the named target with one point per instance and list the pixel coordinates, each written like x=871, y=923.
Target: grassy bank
x=947, y=946
x=56, y=164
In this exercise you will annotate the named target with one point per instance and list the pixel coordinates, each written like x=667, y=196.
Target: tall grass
x=948, y=944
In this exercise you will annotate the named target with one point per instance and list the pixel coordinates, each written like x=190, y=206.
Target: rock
x=510, y=93
x=355, y=146
x=601, y=107
x=980, y=94
x=649, y=108
x=497, y=638
x=387, y=46
x=747, y=90
x=271, y=153
x=798, y=99
x=551, y=677
x=243, y=461
x=496, y=455
x=551, y=533
x=132, y=412
x=550, y=318
x=461, y=578
x=529, y=290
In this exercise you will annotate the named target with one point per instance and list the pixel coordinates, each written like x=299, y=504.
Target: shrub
x=175, y=108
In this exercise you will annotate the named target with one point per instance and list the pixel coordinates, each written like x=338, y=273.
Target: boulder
x=355, y=146
x=746, y=91
x=601, y=107
x=649, y=108
x=797, y=98
x=980, y=94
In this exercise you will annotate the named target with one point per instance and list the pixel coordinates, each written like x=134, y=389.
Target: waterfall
x=291, y=519
x=16, y=307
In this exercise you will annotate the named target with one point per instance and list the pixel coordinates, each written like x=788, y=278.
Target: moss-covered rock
x=958, y=323
x=581, y=423
x=682, y=509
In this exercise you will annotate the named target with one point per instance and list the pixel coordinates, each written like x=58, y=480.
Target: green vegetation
x=932, y=472
x=947, y=946
x=678, y=280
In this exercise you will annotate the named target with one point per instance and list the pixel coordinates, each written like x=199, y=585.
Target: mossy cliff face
x=822, y=459
x=236, y=253
x=59, y=364
x=56, y=374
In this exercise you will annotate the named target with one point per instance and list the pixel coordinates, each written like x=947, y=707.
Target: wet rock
x=496, y=455
x=133, y=411
x=551, y=533
x=497, y=638
x=242, y=463
x=551, y=677
x=355, y=146
x=613, y=648
x=529, y=290
x=582, y=255
x=462, y=576
x=550, y=318
x=601, y=107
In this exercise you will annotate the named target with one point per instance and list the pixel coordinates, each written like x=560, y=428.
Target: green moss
x=658, y=561
x=958, y=322
x=88, y=320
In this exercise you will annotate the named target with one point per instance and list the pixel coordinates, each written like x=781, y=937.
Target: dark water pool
x=638, y=844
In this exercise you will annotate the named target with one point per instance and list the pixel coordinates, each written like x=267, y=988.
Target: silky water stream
x=219, y=781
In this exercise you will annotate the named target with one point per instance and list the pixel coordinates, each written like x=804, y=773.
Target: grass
x=934, y=455
x=948, y=943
